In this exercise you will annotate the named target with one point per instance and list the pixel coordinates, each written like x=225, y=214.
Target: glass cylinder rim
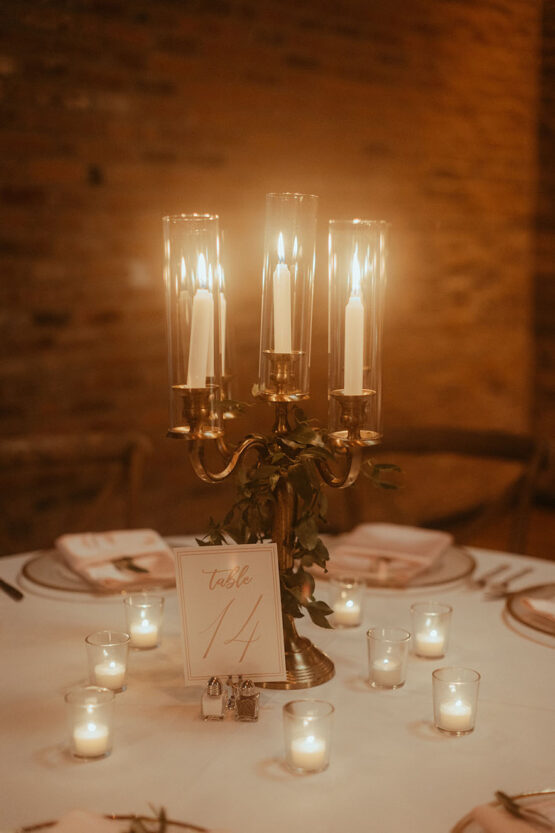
x=105, y=695
x=426, y=607
x=291, y=195
x=438, y=674
x=358, y=222
x=193, y=217
x=287, y=708
x=403, y=634
x=143, y=599
x=346, y=581
x=117, y=638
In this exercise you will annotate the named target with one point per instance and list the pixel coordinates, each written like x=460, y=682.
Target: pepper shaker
x=213, y=700
x=246, y=706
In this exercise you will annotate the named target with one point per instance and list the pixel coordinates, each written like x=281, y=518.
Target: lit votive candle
x=309, y=753
x=429, y=643
x=347, y=613
x=90, y=740
x=144, y=619
x=387, y=656
x=307, y=730
x=107, y=653
x=430, y=626
x=90, y=716
x=346, y=602
x=144, y=634
x=110, y=674
x=455, y=692
x=386, y=672
x=455, y=716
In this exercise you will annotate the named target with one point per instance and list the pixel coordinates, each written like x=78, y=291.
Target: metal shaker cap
x=214, y=687
x=248, y=688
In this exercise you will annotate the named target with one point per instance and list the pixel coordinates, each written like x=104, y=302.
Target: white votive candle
x=386, y=672
x=308, y=753
x=90, y=740
x=110, y=674
x=430, y=643
x=144, y=634
x=455, y=716
x=346, y=613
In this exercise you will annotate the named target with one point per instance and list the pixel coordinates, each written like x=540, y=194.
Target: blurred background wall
x=432, y=115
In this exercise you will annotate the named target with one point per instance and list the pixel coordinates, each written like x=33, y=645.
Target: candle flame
x=355, y=274
x=281, y=248
x=91, y=727
x=201, y=271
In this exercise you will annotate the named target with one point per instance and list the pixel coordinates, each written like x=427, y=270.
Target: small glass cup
x=107, y=657
x=430, y=628
x=90, y=719
x=455, y=693
x=307, y=728
x=387, y=657
x=347, y=600
x=144, y=613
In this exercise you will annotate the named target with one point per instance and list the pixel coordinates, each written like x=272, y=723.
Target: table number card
x=230, y=612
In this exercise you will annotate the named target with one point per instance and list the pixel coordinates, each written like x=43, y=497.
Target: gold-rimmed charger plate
x=468, y=825
x=117, y=819
x=48, y=569
x=454, y=565
x=516, y=608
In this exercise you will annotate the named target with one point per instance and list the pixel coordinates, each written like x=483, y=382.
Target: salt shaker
x=213, y=700
x=246, y=706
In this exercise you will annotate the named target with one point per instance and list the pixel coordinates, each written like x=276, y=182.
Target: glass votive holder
x=430, y=628
x=455, y=693
x=90, y=718
x=107, y=657
x=144, y=613
x=346, y=601
x=307, y=728
x=387, y=657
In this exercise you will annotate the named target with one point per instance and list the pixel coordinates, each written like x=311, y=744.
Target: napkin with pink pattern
x=388, y=553
x=120, y=558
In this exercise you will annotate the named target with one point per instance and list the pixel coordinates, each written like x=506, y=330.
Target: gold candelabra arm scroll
x=196, y=456
x=353, y=461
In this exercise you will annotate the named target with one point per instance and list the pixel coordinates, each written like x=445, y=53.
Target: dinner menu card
x=230, y=606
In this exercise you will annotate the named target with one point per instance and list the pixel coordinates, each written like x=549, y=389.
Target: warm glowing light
x=295, y=248
x=221, y=277
x=281, y=248
x=355, y=274
x=201, y=271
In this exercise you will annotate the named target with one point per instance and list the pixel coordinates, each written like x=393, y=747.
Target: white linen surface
x=390, y=770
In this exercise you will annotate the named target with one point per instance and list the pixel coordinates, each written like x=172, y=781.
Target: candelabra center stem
x=281, y=424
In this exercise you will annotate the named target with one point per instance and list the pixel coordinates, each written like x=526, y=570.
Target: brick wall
x=115, y=113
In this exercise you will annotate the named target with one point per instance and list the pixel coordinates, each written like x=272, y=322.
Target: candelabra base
x=305, y=664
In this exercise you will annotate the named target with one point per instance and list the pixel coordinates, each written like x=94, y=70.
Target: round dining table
x=390, y=770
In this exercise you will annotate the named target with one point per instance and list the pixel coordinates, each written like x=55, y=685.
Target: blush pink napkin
x=497, y=820
x=91, y=555
x=387, y=552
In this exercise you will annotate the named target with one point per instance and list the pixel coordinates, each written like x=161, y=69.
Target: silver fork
x=499, y=589
x=483, y=580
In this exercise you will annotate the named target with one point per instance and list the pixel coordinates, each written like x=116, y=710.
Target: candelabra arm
x=196, y=455
x=353, y=461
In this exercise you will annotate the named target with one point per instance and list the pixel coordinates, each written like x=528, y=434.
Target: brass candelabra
x=306, y=665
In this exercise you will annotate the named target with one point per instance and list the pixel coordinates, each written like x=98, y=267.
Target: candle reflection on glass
x=455, y=696
x=354, y=334
x=201, y=329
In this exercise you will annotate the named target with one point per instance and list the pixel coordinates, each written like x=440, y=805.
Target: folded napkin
x=542, y=607
x=387, y=553
x=119, y=559
x=498, y=820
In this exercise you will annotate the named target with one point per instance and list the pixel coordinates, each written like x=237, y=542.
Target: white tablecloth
x=390, y=770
